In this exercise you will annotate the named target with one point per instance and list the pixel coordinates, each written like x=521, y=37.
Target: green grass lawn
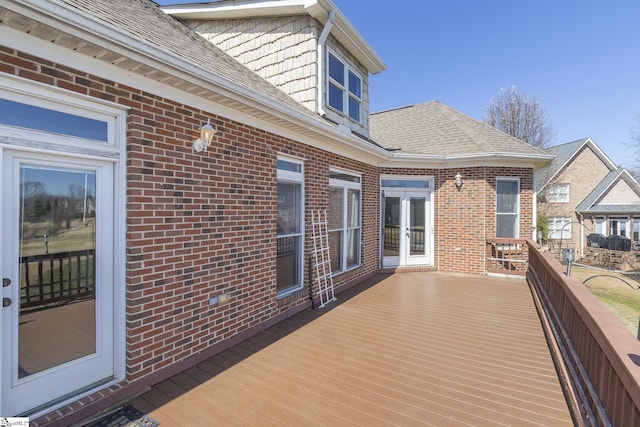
x=621, y=298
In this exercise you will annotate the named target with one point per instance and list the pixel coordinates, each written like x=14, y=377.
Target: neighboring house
x=171, y=254
x=582, y=192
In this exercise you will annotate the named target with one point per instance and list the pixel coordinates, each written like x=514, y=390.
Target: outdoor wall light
x=206, y=136
x=458, y=181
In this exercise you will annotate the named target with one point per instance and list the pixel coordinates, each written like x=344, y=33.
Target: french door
x=407, y=228
x=57, y=277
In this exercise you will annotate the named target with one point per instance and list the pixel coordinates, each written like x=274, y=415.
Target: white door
x=57, y=269
x=407, y=228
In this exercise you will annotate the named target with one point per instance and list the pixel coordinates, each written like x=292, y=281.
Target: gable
x=620, y=194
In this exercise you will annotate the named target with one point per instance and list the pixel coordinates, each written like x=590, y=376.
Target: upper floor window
x=344, y=88
x=507, y=207
x=559, y=193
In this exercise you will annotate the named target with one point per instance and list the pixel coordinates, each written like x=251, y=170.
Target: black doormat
x=127, y=416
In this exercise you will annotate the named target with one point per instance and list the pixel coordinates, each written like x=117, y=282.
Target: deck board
x=426, y=349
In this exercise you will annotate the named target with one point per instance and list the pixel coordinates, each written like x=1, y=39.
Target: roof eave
x=534, y=162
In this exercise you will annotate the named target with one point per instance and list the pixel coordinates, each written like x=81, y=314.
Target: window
x=344, y=220
x=344, y=88
x=636, y=229
x=290, y=226
x=618, y=226
x=48, y=120
x=507, y=207
x=559, y=193
x=559, y=228
x=600, y=221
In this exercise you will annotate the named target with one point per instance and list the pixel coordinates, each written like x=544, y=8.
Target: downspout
x=581, y=235
x=321, y=54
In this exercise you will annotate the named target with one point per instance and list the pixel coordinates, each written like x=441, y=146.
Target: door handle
x=6, y=302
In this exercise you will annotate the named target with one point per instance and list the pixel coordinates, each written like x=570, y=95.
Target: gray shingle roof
x=587, y=205
x=563, y=153
x=433, y=128
x=145, y=20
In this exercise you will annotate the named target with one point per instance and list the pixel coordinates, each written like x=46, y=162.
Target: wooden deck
x=406, y=349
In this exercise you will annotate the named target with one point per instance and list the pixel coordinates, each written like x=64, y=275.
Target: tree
x=521, y=117
x=634, y=145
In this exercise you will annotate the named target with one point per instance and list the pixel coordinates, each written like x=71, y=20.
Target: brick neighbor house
x=583, y=192
x=131, y=250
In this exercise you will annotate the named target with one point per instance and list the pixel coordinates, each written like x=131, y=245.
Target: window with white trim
x=559, y=193
x=344, y=220
x=618, y=225
x=507, y=207
x=344, y=88
x=290, y=232
x=636, y=229
x=559, y=228
x=600, y=224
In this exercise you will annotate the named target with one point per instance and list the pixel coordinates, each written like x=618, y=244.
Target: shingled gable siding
x=465, y=218
x=199, y=225
x=281, y=50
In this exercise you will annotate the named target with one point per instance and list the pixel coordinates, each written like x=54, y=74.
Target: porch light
x=206, y=136
x=458, y=181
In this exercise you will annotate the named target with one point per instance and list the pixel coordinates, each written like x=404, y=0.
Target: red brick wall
x=201, y=224
x=465, y=218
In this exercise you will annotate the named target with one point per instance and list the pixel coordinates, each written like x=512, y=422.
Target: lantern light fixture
x=458, y=178
x=206, y=136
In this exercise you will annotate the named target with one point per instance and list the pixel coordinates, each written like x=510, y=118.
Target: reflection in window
x=507, y=198
x=43, y=119
x=344, y=220
x=344, y=89
x=289, y=228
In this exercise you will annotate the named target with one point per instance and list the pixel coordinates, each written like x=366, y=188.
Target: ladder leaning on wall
x=321, y=257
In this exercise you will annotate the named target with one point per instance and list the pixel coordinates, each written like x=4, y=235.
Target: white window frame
x=635, y=232
x=559, y=193
x=600, y=225
x=345, y=88
x=556, y=230
x=345, y=186
x=517, y=208
x=292, y=177
x=623, y=223
x=113, y=149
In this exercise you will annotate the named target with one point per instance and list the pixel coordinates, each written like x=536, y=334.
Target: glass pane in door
x=392, y=226
x=417, y=225
x=57, y=245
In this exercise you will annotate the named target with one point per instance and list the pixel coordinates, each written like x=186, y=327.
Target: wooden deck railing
x=600, y=356
x=507, y=256
x=56, y=277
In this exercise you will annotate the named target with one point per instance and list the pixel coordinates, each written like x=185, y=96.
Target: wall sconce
x=206, y=136
x=458, y=181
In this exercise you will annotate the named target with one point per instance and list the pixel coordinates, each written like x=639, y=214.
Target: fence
x=57, y=277
x=507, y=256
x=600, y=356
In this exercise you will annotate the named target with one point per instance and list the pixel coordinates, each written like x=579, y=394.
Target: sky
x=579, y=58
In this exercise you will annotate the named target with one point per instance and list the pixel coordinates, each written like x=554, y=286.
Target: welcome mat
x=127, y=416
